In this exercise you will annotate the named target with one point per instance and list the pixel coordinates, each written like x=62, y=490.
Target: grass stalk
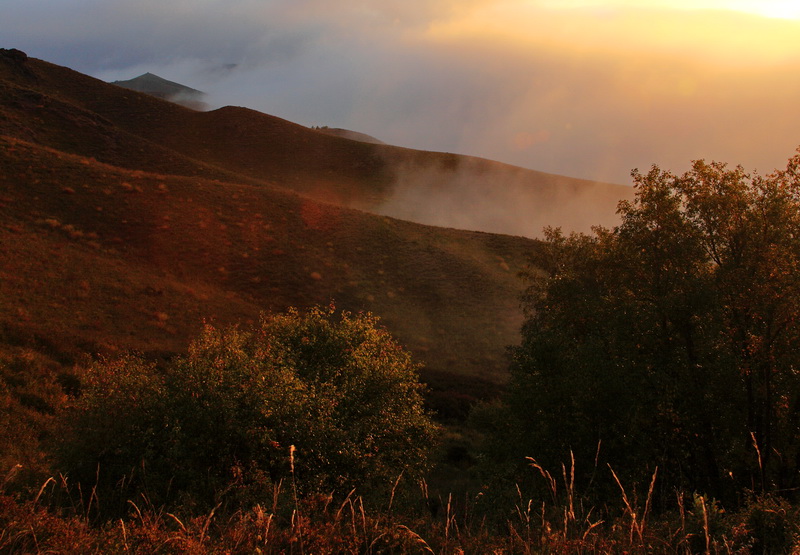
x=296, y=520
x=706, y=531
x=630, y=510
x=394, y=489
x=124, y=535
x=416, y=537
x=41, y=490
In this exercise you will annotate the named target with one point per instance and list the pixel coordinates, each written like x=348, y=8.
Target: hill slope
x=427, y=187
x=98, y=259
x=348, y=134
x=128, y=220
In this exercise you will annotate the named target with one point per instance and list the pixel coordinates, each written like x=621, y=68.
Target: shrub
x=771, y=524
x=671, y=340
x=224, y=417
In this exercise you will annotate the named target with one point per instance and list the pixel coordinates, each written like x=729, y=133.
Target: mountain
x=427, y=187
x=127, y=221
x=168, y=90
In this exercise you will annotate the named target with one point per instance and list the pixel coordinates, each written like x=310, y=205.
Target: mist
x=569, y=92
x=481, y=195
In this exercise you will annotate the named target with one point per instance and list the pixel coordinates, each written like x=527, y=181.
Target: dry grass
x=185, y=200
x=126, y=248
x=126, y=221
x=401, y=523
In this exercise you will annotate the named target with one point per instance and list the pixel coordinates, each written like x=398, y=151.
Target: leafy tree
x=337, y=388
x=672, y=340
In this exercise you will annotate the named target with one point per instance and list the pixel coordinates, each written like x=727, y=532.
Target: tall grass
x=57, y=520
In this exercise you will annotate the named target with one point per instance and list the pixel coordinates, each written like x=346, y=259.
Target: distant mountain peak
x=152, y=84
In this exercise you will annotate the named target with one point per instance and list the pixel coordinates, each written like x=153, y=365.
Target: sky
x=583, y=88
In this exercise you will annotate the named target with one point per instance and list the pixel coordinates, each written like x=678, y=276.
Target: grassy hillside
x=126, y=222
x=192, y=216
x=427, y=187
x=104, y=258
x=200, y=207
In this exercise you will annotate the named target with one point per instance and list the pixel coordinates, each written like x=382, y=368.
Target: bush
x=225, y=416
x=771, y=524
x=671, y=340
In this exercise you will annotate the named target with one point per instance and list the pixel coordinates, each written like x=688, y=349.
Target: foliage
x=771, y=524
x=672, y=340
x=318, y=523
x=30, y=394
x=331, y=400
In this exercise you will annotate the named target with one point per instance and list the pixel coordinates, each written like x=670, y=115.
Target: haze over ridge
x=426, y=187
x=589, y=89
x=112, y=240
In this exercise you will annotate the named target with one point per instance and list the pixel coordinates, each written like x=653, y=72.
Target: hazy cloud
x=591, y=91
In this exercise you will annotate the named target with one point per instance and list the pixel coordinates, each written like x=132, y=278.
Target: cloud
x=591, y=91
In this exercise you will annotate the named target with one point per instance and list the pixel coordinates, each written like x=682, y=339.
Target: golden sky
x=786, y=9
x=690, y=79
x=586, y=88
x=733, y=32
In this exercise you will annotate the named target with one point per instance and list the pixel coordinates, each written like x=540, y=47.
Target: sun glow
x=733, y=33
x=779, y=9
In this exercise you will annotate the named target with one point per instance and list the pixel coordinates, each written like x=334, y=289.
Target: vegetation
x=330, y=400
x=670, y=343
x=636, y=419
x=654, y=400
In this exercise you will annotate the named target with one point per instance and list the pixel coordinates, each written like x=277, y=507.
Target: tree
x=671, y=340
x=337, y=391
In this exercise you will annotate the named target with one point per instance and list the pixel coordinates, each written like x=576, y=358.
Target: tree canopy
x=671, y=340
x=330, y=398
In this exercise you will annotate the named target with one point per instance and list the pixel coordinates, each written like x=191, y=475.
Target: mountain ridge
x=128, y=221
x=380, y=178
x=155, y=85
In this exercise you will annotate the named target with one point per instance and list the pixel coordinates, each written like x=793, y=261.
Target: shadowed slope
x=435, y=188
x=98, y=258
x=128, y=219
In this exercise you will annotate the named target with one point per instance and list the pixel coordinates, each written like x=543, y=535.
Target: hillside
x=348, y=134
x=101, y=259
x=427, y=187
x=129, y=220
x=112, y=242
